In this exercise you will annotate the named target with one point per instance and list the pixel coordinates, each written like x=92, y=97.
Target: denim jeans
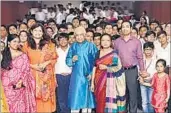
x=146, y=93
x=62, y=93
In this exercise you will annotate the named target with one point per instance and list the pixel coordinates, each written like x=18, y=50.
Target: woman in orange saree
x=108, y=81
x=42, y=56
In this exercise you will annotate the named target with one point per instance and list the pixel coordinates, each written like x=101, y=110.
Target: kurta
x=45, y=81
x=161, y=88
x=80, y=95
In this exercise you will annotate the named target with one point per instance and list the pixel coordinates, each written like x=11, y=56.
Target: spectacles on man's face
x=148, y=49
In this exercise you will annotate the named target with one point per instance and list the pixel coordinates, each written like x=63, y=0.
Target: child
x=161, y=87
x=149, y=62
x=71, y=38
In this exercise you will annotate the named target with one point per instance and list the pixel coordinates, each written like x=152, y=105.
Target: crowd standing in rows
x=86, y=58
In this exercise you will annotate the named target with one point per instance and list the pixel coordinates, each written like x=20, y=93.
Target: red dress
x=161, y=87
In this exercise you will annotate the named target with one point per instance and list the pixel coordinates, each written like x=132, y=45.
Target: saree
x=22, y=99
x=110, y=85
x=45, y=81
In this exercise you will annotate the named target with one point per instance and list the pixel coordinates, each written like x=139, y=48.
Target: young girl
x=161, y=87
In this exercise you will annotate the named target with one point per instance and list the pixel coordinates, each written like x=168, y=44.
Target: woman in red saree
x=108, y=81
x=17, y=80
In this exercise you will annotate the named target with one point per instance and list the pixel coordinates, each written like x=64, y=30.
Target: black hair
x=6, y=54
x=31, y=18
x=144, y=26
x=14, y=25
x=105, y=34
x=51, y=20
x=149, y=33
x=97, y=35
x=49, y=28
x=75, y=18
x=4, y=26
x=162, y=61
x=63, y=35
x=23, y=24
x=98, y=25
x=28, y=35
x=71, y=11
x=62, y=26
x=71, y=33
x=144, y=19
x=135, y=29
x=161, y=32
x=127, y=22
x=108, y=24
x=159, y=27
x=2, y=42
x=45, y=38
x=145, y=12
x=89, y=30
x=85, y=20
x=69, y=23
x=154, y=21
x=148, y=45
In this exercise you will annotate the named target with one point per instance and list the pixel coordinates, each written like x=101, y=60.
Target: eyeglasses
x=148, y=49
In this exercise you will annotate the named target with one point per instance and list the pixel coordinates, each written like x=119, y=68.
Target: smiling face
x=89, y=36
x=12, y=30
x=63, y=42
x=108, y=29
x=37, y=33
x=151, y=38
x=23, y=27
x=23, y=36
x=80, y=34
x=126, y=29
x=14, y=44
x=75, y=23
x=31, y=22
x=162, y=39
x=49, y=32
x=106, y=41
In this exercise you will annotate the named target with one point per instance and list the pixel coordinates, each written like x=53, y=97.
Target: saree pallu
x=110, y=86
x=45, y=81
x=22, y=99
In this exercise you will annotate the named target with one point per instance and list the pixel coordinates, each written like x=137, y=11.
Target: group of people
x=81, y=66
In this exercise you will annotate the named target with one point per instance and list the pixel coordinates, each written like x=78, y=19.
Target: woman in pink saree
x=17, y=80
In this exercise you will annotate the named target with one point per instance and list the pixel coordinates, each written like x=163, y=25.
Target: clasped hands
x=41, y=67
x=144, y=75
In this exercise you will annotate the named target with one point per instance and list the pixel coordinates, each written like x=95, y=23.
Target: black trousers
x=132, y=86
